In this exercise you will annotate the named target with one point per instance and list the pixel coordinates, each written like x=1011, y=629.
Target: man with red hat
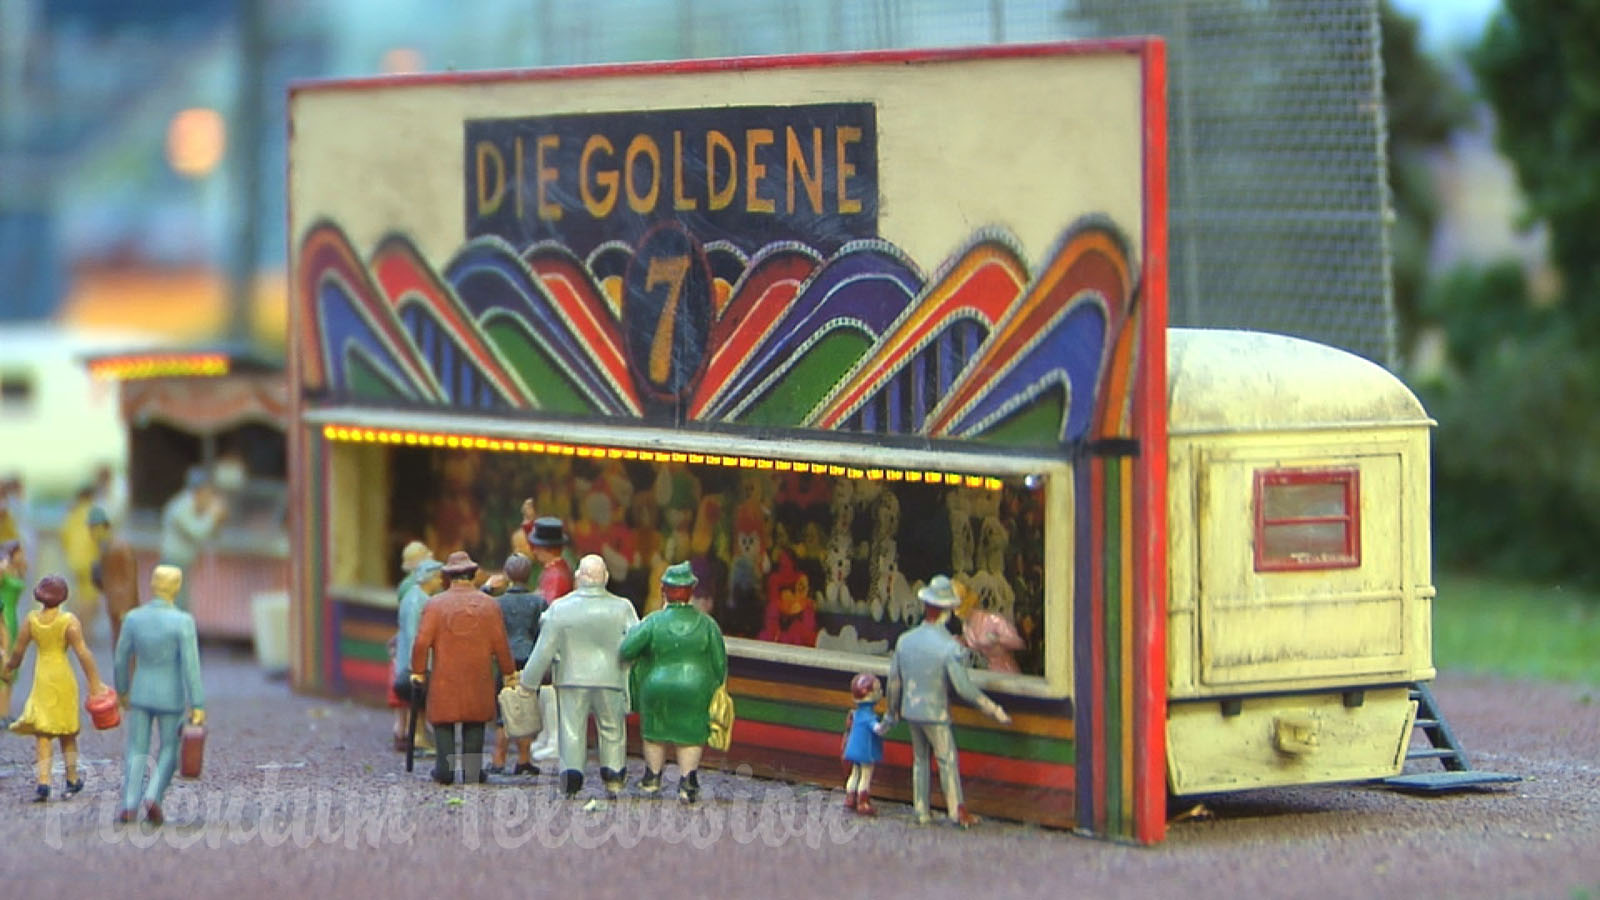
x=464, y=633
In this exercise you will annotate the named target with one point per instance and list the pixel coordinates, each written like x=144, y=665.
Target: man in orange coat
x=463, y=630
x=117, y=572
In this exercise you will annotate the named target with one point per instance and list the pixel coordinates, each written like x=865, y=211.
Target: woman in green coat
x=679, y=661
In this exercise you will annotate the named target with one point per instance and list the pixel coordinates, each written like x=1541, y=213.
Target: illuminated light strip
x=133, y=368
x=351, y=434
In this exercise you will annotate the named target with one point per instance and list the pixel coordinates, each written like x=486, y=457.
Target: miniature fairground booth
x=823, y=326
x=224, y=410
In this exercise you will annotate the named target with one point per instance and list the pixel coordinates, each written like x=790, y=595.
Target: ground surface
x=302, y=798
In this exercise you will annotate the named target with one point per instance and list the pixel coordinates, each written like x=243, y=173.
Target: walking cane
x=418, y=693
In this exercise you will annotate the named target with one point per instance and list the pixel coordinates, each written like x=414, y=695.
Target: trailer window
x=1307, y=519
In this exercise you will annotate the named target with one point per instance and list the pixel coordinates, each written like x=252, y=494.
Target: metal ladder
x=1444, y=747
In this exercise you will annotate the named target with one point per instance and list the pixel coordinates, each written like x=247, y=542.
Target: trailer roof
x=1227, y=381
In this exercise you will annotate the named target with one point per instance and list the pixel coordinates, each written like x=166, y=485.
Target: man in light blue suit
x=161, y=638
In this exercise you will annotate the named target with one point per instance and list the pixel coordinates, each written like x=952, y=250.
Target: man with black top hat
x=547, y=540
x=465, y=635
x=928, y=663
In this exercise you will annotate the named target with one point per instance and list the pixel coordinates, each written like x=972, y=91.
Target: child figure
x=863, y=743
x=51, y=711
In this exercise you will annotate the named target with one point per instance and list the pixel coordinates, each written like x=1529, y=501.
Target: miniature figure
x=425, y=579
x=412, y=555
x=81, y=553
x=927, y=664
x=579, y=636
x=462, y=630
x=51, y=710
x=13, y=571
x=189, y=520
x=521, y=610
x=116, y=574
x=555, y=577
x=679, y=662
x=157, y=671
x=863, y=743
x=988, y=634
x=111, y=493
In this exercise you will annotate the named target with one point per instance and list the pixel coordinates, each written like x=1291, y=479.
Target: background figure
x=425, y=580
x=927, y=664
x=463, y=633
x=81, y=553
x=579, y=637
x=188, y=521
x=679, y=660
x=521, y=610
x=51, y=710
x=158, y=673
x=116, y=574
x=555, y=575
x=13, y=575
x=412, y=555
x=111, y=493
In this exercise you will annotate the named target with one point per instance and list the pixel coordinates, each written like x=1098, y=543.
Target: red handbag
x=191, y=752
x=103, y=710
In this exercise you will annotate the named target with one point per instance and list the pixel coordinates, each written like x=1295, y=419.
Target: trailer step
x=1444, y=747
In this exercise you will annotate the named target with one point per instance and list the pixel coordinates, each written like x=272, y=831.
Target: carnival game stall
x=825, y=327
x=223, y=411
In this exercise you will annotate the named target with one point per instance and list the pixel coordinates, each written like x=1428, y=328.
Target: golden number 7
x=668, y=270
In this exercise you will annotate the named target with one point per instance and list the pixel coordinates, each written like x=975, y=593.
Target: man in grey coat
x=928, y=662
x=580, y=637
x=166, y=683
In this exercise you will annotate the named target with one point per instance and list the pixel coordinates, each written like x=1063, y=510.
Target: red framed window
x=1307, y=519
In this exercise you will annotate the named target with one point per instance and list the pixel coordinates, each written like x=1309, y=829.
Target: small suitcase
x=192, y=750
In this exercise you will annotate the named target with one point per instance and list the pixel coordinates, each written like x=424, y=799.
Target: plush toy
x=836, y=593
x=791, y=614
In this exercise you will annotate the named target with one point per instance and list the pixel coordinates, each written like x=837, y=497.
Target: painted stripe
x=1111, y=742
x=897, y=754
x=1097, y=659
x=366, y=632
x=350, y=650
x=1125, y=636
x=1059, y=727
x=1152, y=424
x=364, y=672
x=830, y=720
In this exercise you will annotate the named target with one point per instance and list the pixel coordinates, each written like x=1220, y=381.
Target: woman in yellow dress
x=51, y=710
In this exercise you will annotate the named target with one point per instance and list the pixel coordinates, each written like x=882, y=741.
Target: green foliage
x=1517, y=452
x=1540, y=71
x=1424, y=106
x=1516, y=629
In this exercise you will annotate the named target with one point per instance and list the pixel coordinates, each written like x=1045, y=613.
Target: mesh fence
x=1276, y=171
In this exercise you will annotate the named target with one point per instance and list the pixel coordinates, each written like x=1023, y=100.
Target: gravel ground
x=302, y=797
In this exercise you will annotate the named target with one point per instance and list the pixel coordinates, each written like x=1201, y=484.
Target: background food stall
x=854, y=325
x=224, y=409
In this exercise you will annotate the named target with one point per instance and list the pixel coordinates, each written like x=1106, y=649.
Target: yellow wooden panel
x=1274, y=741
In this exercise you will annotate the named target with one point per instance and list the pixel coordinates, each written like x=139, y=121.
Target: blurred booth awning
x=200, y=391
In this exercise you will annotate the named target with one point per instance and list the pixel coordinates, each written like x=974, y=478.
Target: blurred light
x=196, y=138
x=400, y=61
x=131, y=368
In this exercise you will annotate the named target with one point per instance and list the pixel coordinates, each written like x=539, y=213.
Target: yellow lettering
x=607, y=178
x=516, y=179
x=719, y=198
x=642, y=145
x=845, y=135
x=795, y=168
x=679, y=200
x=753, y=201
x=550, y=212
x=667, y=270
x=489, y=201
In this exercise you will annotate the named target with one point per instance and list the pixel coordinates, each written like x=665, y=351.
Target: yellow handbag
x=721, y=719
